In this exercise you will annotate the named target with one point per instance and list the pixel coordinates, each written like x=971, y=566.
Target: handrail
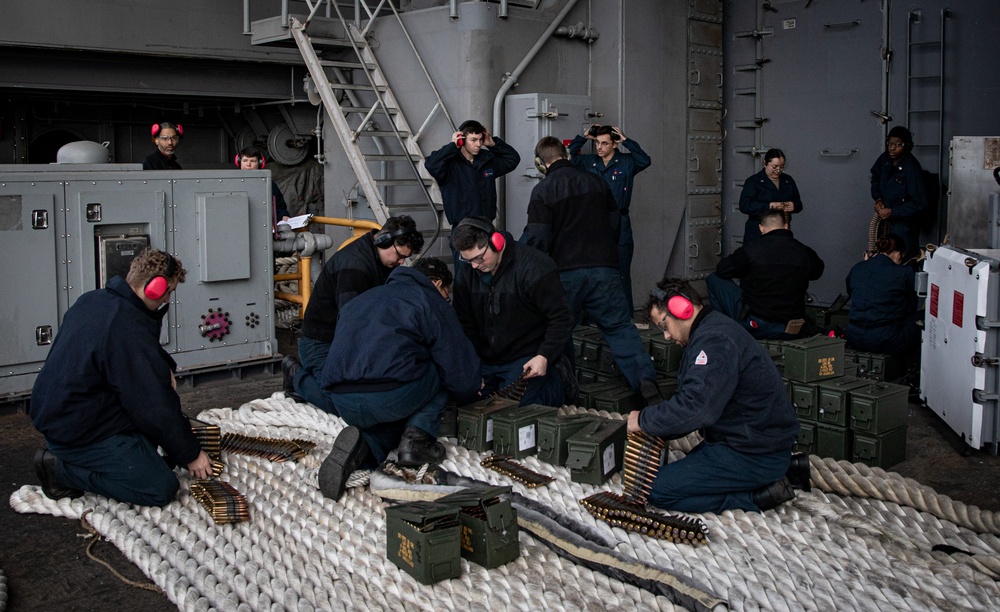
x=303, y=276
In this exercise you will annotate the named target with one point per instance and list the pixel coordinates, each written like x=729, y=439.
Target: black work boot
x=349, y=451
x=45, y=470
x=289, y=366
x=774, y=494
x=418, y=447
x=799, y=473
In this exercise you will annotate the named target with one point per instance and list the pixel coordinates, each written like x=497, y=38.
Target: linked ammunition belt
x=224, y=503
x=210, y=439
x=620, y=511
x=272, y=449
x=514, y=391
x=512, y=469
x=643, y=457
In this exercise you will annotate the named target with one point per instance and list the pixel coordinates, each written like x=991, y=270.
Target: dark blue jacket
x=469, y=189
x=883, y=306
x=775, y=272
x=901, y=187
x=573, y=219
x=757, y=195
x=159, y=161
x=394, y=334
x=517, y=311
x=619, y=172
x=106, y=374
x=352, y=270
x=729, y=389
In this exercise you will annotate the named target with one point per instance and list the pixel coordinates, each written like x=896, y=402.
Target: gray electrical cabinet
x=68, y=229
x=529, y=117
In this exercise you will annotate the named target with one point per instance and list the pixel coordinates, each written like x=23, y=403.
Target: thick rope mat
x=862, y=540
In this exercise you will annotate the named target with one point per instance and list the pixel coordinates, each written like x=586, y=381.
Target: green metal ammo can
x=422, y=539
x=813, y=359
x=833, y=441
x=879, y=407
x=619, y=399
x=449, y=421
x=515, y=432
x=489, y=525
x=882, y=450
x=835, y=399
x=588, y=392
x=587, y=344
x=666, y=354
x=805, y=399
x=808, y=438
x=555, y=430
x=596, y=452
x=475, y=422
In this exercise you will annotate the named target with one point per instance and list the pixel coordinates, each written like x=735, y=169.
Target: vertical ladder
x=925, y=91
x=381, y=146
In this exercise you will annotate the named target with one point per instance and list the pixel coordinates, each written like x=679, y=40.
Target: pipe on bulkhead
x=578, y=31
x=306, y=243
x=511, y=79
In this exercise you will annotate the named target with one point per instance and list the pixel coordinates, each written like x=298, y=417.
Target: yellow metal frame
x=360, y=227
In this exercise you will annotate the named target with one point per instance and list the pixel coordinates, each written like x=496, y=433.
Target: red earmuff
x=156, y=129
x=156, y=287
x=497, y=241
x=680, y=307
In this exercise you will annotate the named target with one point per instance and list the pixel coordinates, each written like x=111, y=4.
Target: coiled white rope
x=855, y=542
x=3, y=591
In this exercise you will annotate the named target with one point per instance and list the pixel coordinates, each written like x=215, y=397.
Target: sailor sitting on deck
x=729, y=389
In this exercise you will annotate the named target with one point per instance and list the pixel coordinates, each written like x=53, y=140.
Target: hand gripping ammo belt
x=629, y=510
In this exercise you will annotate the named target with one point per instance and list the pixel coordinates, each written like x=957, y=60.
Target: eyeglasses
x=399, y=256
x=895, y=144
x=169, y=138
x=775, y=167
x=662, y=324
x=478, y=259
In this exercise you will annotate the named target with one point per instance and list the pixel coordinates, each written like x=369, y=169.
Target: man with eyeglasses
x=513, y=308
x=166, y=136
x=398, y=355
x=572, y=217
x=729, y=390
x=618, y=169
x=361, y=265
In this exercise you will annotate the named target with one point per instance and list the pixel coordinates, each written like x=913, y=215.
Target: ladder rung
x=752, y=124
x=748, y=67
x=318, y=41
x=925, y=76
x=364, y=109
x=343, y=64
x=415, y=206
x=925, y=110
x=745, y=91
x=403, y=182
x=925, y=43
x=356, y=86
x=388, y=158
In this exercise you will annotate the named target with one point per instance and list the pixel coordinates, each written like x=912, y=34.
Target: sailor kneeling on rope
x=730, y=390
x=398, y=354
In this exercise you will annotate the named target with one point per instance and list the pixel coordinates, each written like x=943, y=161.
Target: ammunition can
x=488, y=525
x=813, y=359
x=879, y=407
x=886, y=367
x=554, y=431
x=805, y=398
x=587, y=392
x=882, y=450
x=834, y=399
x=832, y=441
x=449, y=421
x=622, y=400
x=515, y=432
x=590, y=342
x=667, y=384
x=422, y=539
x=475, y=422
x=666, y=354
x=606, y=362
x=808, y=439
x=586, y=376
x=596, y=452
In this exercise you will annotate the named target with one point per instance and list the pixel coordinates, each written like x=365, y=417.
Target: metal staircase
x=380, y=143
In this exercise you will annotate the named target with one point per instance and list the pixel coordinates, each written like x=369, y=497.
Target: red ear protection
x=158, y=286
x=237, y=160
x=156, y=129
x=496, y=241
x=680, y=307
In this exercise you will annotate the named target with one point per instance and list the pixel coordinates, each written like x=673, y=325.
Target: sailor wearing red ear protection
x=252, y=158
x=166, y=136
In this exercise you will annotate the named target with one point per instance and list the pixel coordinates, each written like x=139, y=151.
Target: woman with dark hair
x=769, y=189
x=883, y=315
x=898, y=190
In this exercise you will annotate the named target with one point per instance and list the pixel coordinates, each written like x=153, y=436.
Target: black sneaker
x=45, y=470
x=799, y=473
x=773, y=495
x=418, y=447
x=349, y=451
